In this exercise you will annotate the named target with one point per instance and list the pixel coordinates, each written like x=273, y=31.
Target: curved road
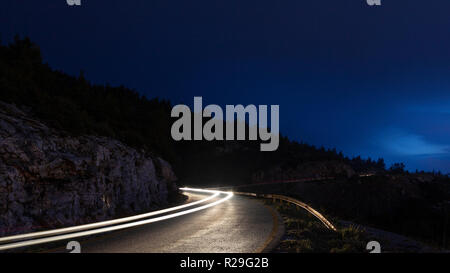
x=239, y=225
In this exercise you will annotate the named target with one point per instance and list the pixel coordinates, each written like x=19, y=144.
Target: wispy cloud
x=398, y=142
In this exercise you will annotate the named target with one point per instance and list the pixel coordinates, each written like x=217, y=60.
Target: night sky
x=370, y=81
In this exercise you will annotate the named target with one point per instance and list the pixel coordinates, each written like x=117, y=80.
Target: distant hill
x=79, y=107
x=75, y=105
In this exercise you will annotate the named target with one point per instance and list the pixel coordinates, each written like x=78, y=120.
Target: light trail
x=39, y=234
x=80, y=233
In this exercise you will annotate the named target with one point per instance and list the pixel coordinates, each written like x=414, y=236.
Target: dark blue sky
x=373, y=81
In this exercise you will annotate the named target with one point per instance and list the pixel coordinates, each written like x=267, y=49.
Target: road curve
x=209, y=222
x=240, y=225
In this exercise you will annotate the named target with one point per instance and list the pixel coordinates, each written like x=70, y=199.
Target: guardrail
x=294, y=201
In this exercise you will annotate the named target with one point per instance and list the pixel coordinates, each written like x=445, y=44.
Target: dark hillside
x=79, y=107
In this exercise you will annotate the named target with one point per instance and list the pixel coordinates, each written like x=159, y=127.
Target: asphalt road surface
x=239, y=225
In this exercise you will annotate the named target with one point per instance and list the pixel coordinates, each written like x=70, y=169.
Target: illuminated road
x=213, y=225
x=238, y=225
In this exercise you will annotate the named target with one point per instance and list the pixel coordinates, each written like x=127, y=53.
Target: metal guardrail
x=294, y=201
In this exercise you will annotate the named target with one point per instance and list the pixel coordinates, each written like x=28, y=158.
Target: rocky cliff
x=51, y=179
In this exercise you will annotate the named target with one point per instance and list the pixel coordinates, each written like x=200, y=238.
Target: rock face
x=50, y=179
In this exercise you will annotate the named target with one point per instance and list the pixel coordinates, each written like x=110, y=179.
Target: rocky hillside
x=52, y=179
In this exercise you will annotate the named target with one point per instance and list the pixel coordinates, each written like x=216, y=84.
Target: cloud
x=398, y=142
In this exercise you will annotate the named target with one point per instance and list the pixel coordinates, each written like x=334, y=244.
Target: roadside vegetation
x=306, y=234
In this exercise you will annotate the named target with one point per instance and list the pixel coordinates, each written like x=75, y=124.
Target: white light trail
x=80, y=233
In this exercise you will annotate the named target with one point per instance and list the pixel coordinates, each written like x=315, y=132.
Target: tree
x=397, y=168
x=380, y=164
